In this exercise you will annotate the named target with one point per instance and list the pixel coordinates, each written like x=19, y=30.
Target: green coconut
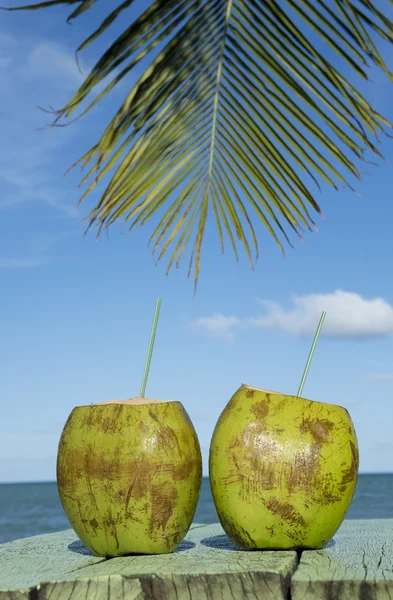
x=283, y=469
x=129, y=474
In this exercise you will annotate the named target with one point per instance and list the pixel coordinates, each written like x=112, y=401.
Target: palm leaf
x=238, y=111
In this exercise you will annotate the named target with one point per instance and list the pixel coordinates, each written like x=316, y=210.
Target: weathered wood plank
x=356, y=565
x=28, y=561
x=206, y=566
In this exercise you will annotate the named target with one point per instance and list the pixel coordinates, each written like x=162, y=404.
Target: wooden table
x=356, y=564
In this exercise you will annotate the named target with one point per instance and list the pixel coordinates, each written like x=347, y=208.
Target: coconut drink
x=129, y=472
x=283, y=469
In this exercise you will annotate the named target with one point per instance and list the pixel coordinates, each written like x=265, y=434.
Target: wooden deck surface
x=356, y=564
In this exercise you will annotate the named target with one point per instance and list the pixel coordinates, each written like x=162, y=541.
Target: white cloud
x=348, y=315
x=27, y=155
x=48, y=60
x=218, y=325
x=380, y=377
x=39, y=59
x=38, y=72
x=23, y=263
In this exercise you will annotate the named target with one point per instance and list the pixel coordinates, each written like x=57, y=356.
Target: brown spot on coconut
x=350, y=474
x=285, y=510
x=163, y=504
x=320, y=429
x=261, y=409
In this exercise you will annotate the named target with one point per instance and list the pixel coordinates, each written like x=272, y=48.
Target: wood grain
x=356, y=565
x=206, y=566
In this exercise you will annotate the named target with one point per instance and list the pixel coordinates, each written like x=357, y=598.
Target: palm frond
x=83, y=6
x=238, y=111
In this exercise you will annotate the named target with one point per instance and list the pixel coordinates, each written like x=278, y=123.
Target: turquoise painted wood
x=206, y=566
x=356, y=565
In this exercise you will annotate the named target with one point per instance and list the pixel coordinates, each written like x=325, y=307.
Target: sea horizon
x=42, y=481
x=30, y=508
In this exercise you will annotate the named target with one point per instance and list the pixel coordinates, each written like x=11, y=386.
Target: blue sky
x=75, y=313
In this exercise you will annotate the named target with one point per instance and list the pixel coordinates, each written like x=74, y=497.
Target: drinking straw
x=150, y=348
x=321, y=320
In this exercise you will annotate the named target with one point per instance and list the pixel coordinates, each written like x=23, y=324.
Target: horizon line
x=203, y=477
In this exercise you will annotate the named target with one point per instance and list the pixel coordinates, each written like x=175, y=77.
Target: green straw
x=321, y=320
x=150, y=348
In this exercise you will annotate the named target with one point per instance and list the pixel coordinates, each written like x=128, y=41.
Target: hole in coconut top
x=250, y=387
x=135, y=401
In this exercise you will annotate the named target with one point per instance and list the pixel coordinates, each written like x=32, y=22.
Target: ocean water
x=28, y=509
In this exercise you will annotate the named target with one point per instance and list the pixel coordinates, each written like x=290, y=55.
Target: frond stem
x=217, y=93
